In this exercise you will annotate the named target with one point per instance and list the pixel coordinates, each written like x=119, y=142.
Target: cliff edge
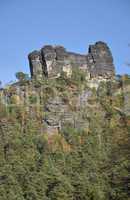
x=51, y=61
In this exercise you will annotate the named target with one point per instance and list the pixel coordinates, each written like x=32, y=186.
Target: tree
x=22, y=76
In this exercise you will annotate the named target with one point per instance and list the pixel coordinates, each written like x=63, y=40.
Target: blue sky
x=26, y=25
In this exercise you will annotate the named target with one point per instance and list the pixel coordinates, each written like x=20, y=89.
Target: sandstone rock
x=51, y=61
x=36, y=64
x=100, y=60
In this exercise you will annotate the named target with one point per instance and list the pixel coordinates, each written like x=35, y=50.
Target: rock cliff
x=66, y=137
x=52, y=61
x=70, y=97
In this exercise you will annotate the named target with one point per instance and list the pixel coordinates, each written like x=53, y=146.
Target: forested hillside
x=61, y=139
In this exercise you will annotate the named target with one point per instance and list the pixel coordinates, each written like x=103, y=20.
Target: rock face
x=51, y=61
x=63, y=105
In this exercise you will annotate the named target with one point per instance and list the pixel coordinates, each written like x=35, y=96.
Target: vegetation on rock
x=84, y=157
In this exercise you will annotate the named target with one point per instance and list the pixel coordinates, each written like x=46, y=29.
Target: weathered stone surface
x=36, y=64
x=59, y=114
x=51, y=61
x=100, y=60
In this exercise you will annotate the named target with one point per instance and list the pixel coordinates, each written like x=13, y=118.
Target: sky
x=26, y=25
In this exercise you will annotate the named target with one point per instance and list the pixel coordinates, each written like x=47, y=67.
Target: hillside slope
x=62, y=139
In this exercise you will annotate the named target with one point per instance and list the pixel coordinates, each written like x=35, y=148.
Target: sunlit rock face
x=36, y=64
x=100, y=60
x=52, y=61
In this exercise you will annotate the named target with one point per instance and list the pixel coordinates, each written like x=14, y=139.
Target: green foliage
x=94, y=167
x=22, y=76
x=32, y=99
x=78, y=77
x=126, y=79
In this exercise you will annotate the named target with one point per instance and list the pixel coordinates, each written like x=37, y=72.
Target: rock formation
x=69, y=104
x=51, y=61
